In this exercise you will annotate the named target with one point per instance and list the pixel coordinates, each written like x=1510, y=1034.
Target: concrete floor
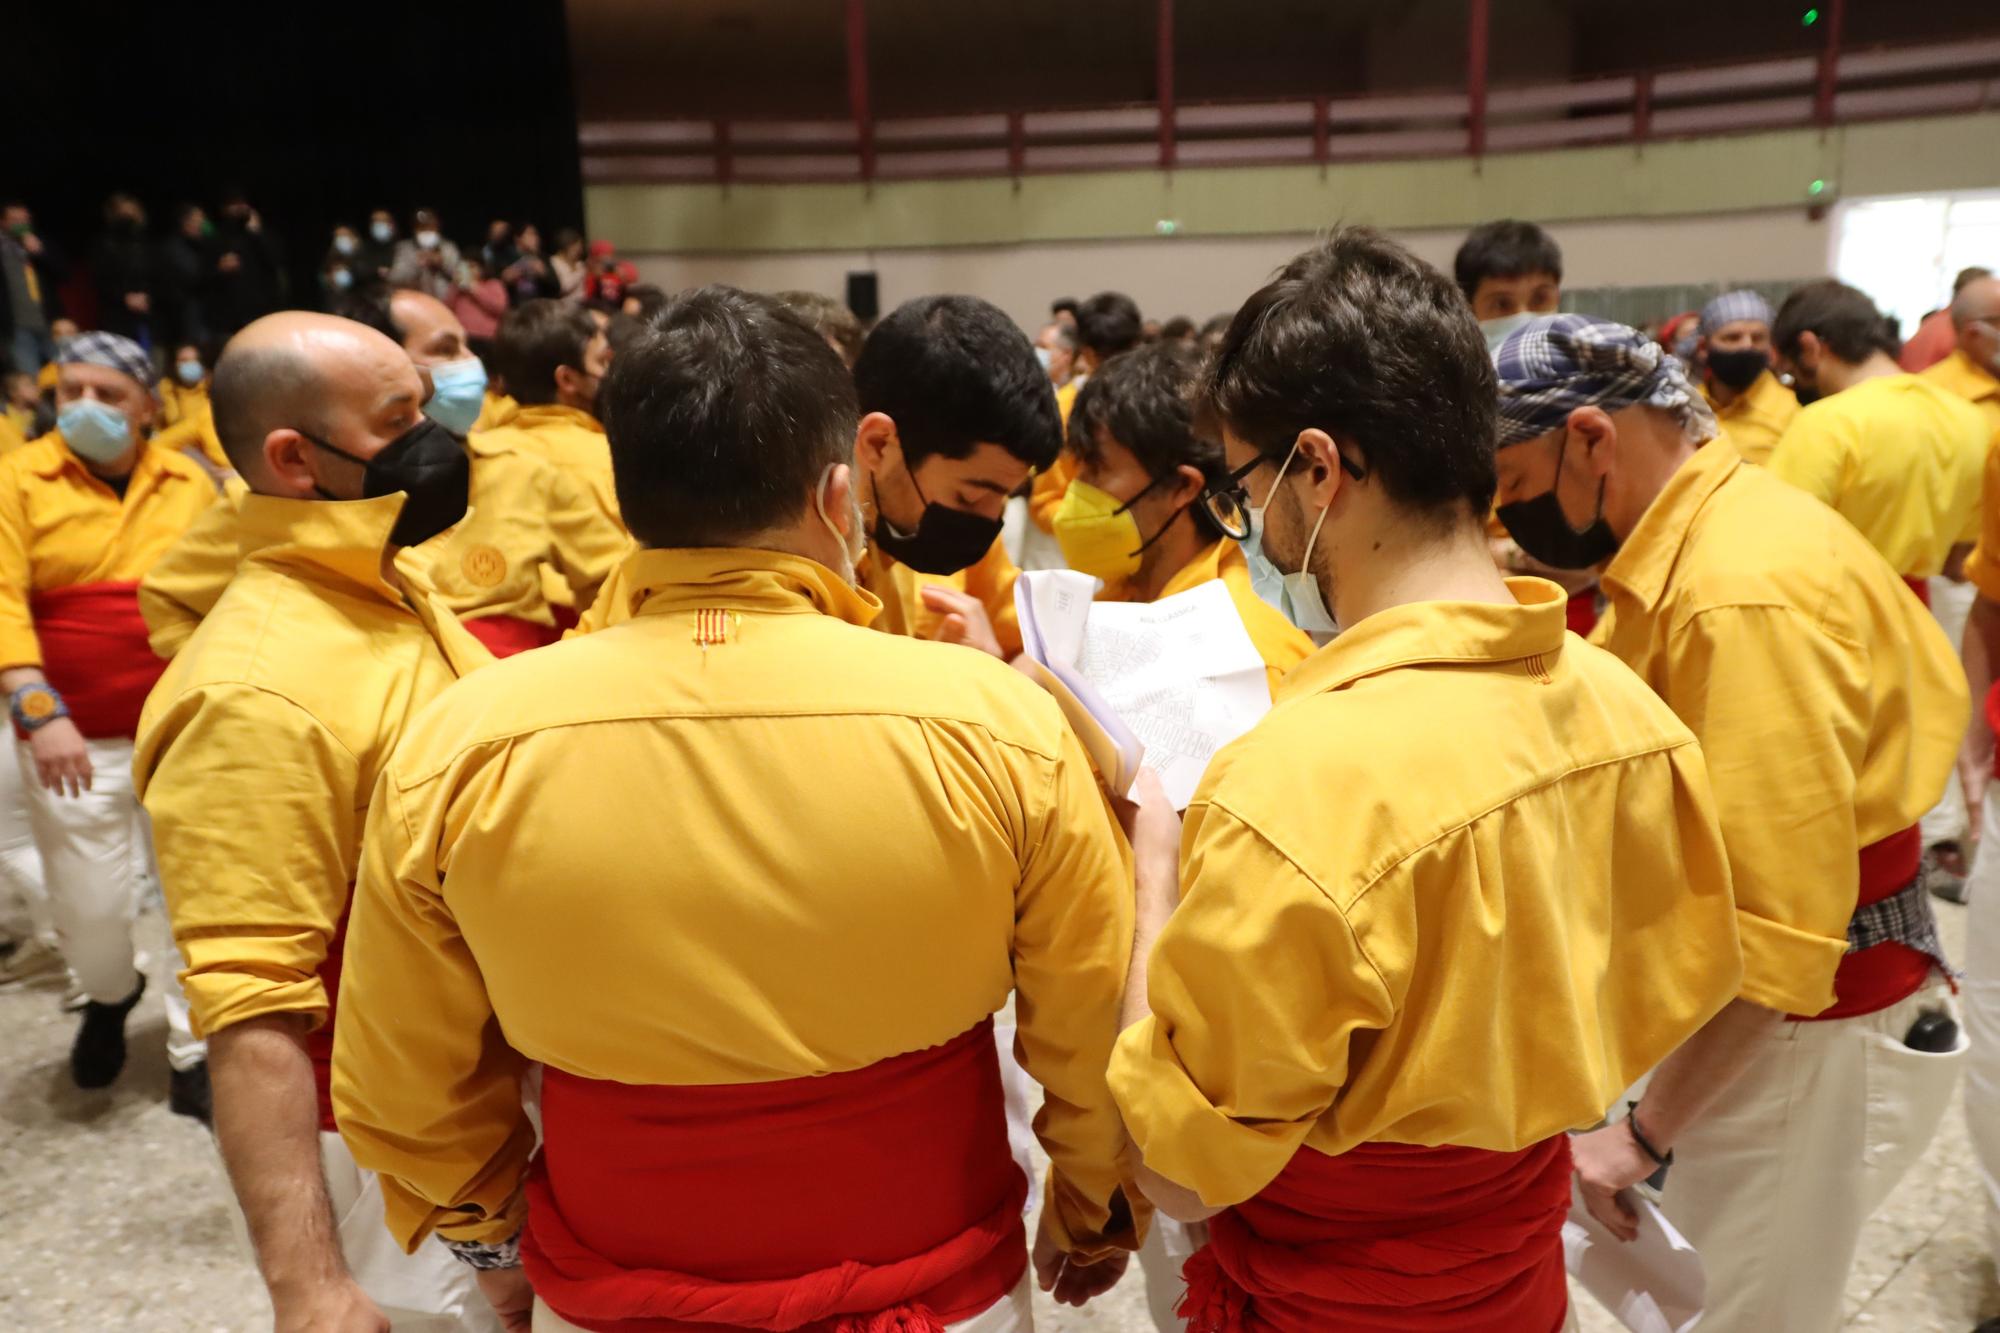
x=114, y=1213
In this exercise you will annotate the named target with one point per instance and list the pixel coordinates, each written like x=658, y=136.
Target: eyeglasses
x=1228, y=504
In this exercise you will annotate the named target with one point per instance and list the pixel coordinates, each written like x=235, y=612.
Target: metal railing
x=1930, y=79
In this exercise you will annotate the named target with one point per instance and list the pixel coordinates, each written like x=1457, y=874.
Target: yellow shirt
x=1960, y=374
x=1280, y=643
x=61, y=526
x=1899, y=458
x=527, y=518
x=178, y=401
x=891, y=582
x=194, y=435
x=570, y=438
x=1758, y=417
x=11, y=436
x=1828, y=703
x=1461, y=886
x=840, y=805
x=259, y=747
x=495, y=409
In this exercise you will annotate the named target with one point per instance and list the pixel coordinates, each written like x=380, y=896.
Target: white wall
x=1201, y=276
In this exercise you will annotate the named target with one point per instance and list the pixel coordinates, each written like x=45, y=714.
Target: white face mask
x=427, y=239
x=381, y=231
x=855, y=543
x=1496, y=330
x=1296, y=596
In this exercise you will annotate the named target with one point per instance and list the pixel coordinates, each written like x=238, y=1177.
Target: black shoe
x=99, y=1053
x=188, y=1094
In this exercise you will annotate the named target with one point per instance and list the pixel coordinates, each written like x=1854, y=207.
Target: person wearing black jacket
x=30, y=271
x=121, y=268
x=185, y=273
x=250, y=270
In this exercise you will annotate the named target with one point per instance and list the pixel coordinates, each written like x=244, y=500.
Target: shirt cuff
x=1089, y=1231
x=1185, y=1137
x=484, y=1256
x=1785, y=968
x=221, y=999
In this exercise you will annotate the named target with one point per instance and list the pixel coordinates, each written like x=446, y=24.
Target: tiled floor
x=114, y=1214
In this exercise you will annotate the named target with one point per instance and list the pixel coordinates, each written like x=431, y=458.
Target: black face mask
x=946, y=540
x=1540, y=528
x=1738, y=369
x=430, y=465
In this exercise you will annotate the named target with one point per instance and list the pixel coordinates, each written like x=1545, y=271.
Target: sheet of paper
x=1654, y=1284
x=1180, y=673
x=1110, y=744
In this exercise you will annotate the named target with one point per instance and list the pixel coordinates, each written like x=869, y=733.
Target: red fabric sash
x=319, y=1042
x=1581, y=613
x=94, y=652
x=1872, y=979
x=1993, y=721
x=1921, y=587
x=880, y=1199
x=506, y=635
x=1391, y=1237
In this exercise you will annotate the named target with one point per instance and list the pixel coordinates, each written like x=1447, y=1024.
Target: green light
x=1810, y=17
x=1817, y=187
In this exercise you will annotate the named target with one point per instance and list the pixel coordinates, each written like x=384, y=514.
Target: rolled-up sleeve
x=1072, y=945
x=1769, y=696
x=1258, y=988
x=255, y=831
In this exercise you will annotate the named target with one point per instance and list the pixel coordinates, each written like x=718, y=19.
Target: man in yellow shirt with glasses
x=1458, y=888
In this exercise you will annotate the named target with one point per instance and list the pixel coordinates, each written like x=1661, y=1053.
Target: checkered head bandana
x=1558, y=363
x=111, y=351
x=1732, y=306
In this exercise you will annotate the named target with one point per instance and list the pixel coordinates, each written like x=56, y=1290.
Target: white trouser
x=1169, y=1245
x=1020, y=1094
x=1951, y=603
x=24, y=898
x=1775, y=1180
x=1981, y=1002
x=1014, y=1313
x=94, y=846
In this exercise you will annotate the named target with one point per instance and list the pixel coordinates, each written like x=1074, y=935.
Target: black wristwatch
x=1660, y=1160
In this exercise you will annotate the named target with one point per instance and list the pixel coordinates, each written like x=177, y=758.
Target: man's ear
x=875, y=441
x=1595, y=439
x=1318, y=462
x=285, y=454
x=1187, y=486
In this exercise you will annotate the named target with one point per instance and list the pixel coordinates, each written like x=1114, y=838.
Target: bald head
x=298, y=374
x=1978, y=300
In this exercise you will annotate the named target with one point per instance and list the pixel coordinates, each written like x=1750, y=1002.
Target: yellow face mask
x=1098, y=533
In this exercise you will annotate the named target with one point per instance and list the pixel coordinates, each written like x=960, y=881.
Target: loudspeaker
x=864, y=297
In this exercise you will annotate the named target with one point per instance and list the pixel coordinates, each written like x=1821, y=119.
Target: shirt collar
x=1962, y=375
x=742, y=579
x=338, y=541
x=62, y=456
x=1646, y=559
x=540, y=413
x=1204, y=568
x=1425, y=632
